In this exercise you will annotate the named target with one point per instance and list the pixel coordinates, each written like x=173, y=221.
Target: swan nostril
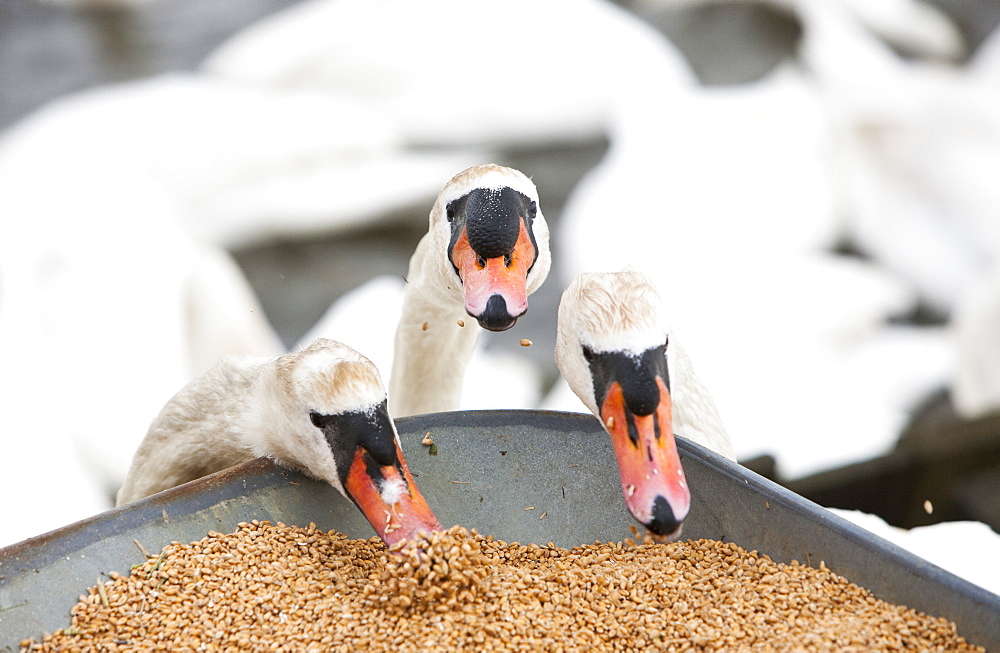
x=481, y=262
x=495, y=316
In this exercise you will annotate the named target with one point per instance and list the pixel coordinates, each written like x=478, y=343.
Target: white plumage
x=431, y=350
x=728, y=200
x=473, y=73
x=320, y=410
x=107, y=306
x=622, y=312
x=245, y=407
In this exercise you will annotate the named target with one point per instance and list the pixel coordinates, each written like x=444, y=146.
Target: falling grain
x=525, y=342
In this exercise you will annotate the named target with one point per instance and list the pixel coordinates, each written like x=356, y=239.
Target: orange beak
x=496, y=292
x=653, y=483
x=389, y=498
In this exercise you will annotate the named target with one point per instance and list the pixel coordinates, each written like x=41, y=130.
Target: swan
x=292, y=179
x=975, y=322
x=348, y=48
x=321, y=410
x=108, y=304
x=485, y=252
x=727, y=200
x=616, y=352
x=915, y=146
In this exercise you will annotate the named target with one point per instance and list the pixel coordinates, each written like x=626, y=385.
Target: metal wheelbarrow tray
x=489, y=466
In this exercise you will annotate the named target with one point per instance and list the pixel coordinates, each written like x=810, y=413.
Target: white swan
x=916, y=145
x=975, y=390
x=348, y=48
x=616, y=352
x=321, y=410
x=323, y=172
x=107, y=304
x=724, y=197
x=486, y=250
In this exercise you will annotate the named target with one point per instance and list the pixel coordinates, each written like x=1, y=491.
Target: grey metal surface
x=490, y=467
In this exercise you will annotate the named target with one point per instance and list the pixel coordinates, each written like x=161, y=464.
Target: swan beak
x=496, y=289
x=653, y=483
x=389, y=498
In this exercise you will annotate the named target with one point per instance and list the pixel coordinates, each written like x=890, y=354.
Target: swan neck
x=431, y=350
x=195, y=433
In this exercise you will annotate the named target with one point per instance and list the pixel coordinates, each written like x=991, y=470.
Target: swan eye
x=450, y=212
x=316, y=419
x=532, y=210
x=588, y=353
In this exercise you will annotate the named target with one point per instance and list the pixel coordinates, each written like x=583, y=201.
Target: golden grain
x=276, y=588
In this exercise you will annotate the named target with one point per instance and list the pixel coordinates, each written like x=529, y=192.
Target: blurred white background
x=812, y=183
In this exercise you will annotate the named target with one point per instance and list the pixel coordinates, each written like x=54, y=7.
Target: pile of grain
x=279, y=588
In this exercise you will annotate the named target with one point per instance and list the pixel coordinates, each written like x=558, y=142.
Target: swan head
x=611, y=348
x=338, y=430
x=495, y=239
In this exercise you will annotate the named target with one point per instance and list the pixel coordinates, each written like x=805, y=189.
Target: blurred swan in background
x=917, y=144
x=474, y=73
x=726, y=198
x=105, y=303
x=975, y=391
x=916, y=27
